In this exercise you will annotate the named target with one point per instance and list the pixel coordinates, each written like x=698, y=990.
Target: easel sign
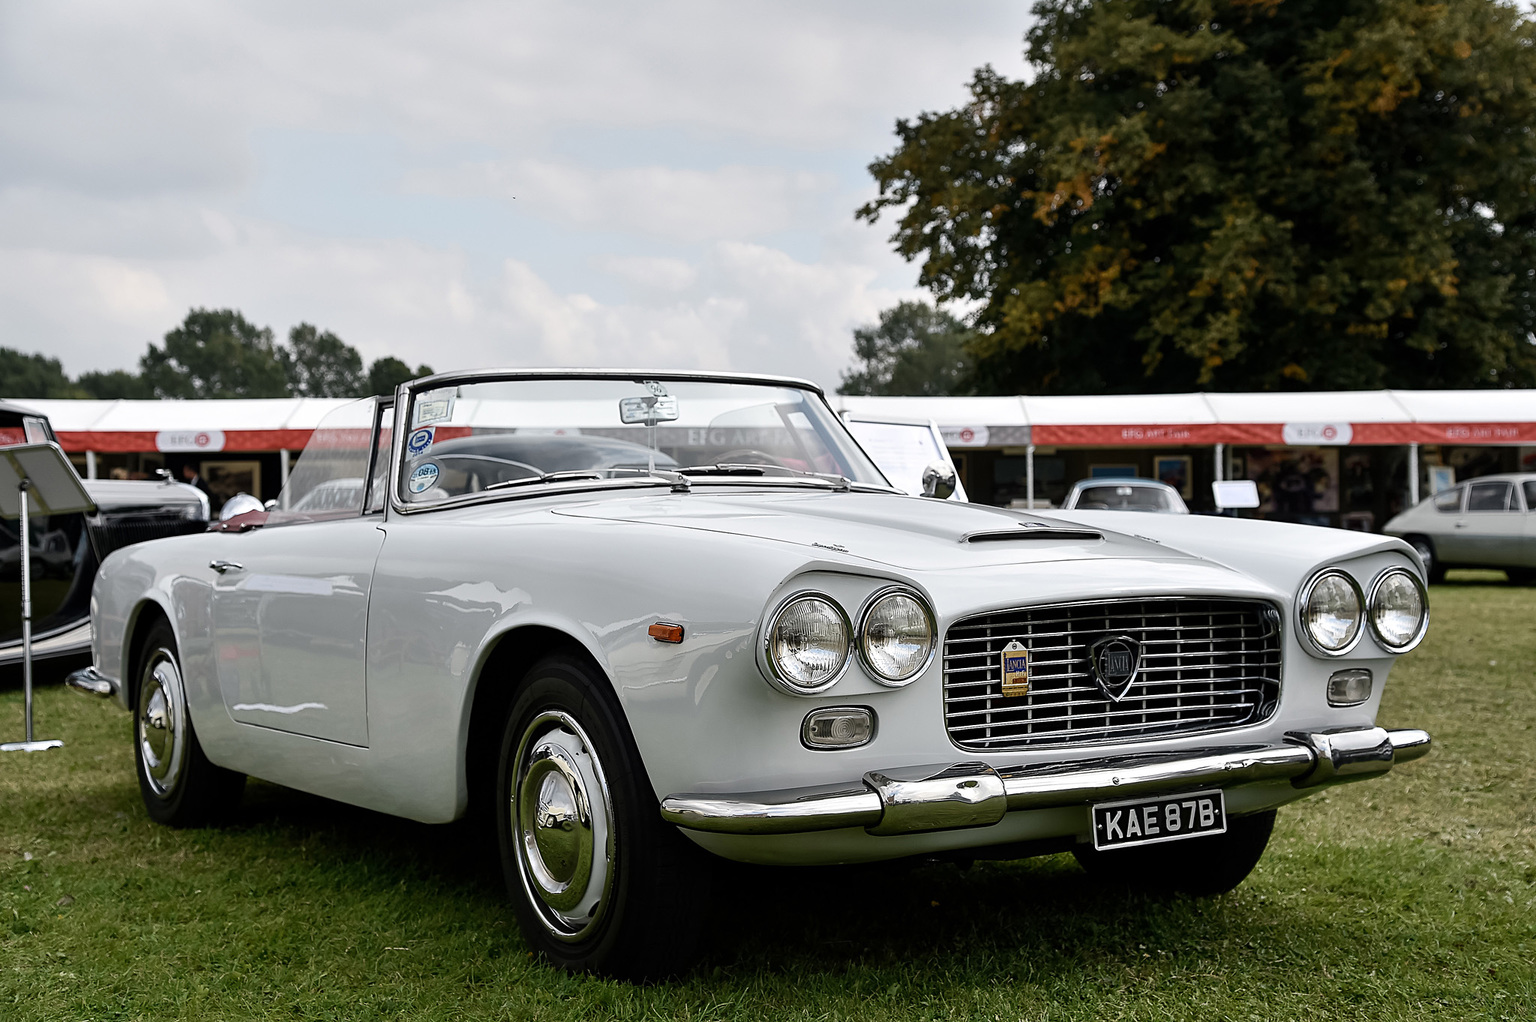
x=35, y=479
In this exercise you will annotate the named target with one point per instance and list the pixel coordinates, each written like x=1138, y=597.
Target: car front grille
x=1204, y=664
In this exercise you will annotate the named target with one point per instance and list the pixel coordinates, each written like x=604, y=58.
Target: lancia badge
x=1015, y=670
x=1116, y=659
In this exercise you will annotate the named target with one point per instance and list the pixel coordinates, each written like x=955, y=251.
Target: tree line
x=217, y=353
x=1224, y=195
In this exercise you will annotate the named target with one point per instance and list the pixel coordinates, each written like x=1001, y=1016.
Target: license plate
x=1148, y=821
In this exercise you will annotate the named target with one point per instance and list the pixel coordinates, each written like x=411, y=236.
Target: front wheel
x=1201, y=866
x=1433, y=569
x=598, y=880
x=180, y=787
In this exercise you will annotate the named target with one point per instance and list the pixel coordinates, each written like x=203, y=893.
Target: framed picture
x=227, y=478
x=1112, y=472
x=1175, y=470
x=1441, y=477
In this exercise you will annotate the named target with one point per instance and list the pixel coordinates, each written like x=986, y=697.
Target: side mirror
x=270, y=505
x=939, y=480
x=163, y=474
x=239, y=504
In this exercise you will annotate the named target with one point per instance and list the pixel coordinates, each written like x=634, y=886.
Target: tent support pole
x=1221, y=459
x=282, y=470
x=1413, y=473
x=1029, y=477
x=90, y=464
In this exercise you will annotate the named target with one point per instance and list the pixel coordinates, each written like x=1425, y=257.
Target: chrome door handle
x=1461, y=525
x=222, y=566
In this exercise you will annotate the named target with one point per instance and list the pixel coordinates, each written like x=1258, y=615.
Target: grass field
x=1413, y=896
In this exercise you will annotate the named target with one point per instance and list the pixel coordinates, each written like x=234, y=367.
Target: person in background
x=189, y=474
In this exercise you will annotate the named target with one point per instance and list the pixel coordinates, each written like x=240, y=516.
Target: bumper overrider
x=978, y=795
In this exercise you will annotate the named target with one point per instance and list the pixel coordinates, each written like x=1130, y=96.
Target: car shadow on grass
x=931, y=915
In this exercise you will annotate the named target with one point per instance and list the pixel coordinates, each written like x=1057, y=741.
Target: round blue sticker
x=419, y=441
x=423, y=478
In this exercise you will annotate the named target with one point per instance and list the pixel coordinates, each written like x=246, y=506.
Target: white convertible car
x=652, y=618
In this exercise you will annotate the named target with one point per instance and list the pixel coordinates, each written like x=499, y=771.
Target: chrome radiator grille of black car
x=1203, y=664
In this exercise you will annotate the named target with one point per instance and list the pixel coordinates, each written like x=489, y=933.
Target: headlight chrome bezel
x=1370, y=608
x=1305, y=597
x=863, y=631
x=776, y=675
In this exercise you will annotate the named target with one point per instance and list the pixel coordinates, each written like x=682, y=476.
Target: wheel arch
x=505, y=661
x=141, y=619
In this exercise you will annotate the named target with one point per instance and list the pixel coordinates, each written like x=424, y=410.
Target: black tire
x=179, y=786
x=600, y=883
x=1521, y=576
x=1201, y=866
x=1426, y=551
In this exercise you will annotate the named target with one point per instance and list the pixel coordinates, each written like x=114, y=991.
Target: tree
x=23, y=375
x=1237, y=194
x=389, y=372
x=114, y=384
x=320, y=364
x=215, y=353
x=915, y=349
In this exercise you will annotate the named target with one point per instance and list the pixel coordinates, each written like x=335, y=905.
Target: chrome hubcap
x=161, y=724
x=562, y=823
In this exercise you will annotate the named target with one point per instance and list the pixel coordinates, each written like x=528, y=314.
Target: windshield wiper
x=547, y=477
x=839, y=483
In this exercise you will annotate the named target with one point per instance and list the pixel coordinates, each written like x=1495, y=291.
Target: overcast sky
x=468, y=183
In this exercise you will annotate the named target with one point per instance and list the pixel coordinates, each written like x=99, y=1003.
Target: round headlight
x=1399, y=610
x=808, y=644
x=896, y=637
x=1331, y=611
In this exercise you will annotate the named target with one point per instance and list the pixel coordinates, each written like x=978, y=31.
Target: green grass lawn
x=1413, y=896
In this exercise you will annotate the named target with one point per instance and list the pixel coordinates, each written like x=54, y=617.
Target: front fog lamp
x=838, y=727
x=896, y=637
x=1399, y=610
x=1331, y=607
x=1349, y=688
x=808, y=644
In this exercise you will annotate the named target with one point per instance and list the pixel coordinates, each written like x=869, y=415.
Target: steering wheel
x=749, y=456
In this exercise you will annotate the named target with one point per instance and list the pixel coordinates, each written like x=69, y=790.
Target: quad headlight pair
x=810, y=640
x=1334, y=611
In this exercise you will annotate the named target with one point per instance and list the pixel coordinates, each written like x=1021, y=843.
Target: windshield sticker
x=433, y=409
x=424, y=478
x=419, y=441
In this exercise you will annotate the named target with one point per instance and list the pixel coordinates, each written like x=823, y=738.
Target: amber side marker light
x=661, y=631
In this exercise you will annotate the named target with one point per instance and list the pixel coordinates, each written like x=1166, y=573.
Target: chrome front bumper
x=978, y=795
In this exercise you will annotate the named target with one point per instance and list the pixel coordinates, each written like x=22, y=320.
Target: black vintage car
x=66, y=549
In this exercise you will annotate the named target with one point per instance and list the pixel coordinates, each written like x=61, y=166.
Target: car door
x=291, y=598
x=1439, y=522
x=1528, y=532
x=1490, y=529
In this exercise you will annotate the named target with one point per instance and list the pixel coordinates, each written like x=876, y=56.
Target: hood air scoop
x=1029, y=532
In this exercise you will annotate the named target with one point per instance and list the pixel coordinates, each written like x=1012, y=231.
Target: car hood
x=913, y=533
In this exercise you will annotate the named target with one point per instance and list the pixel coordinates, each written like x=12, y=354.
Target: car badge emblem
x=1116, y=660
x=1015, y=670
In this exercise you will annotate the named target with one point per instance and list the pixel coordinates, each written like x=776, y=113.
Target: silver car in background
x=1488, y=522
x=1125, y=495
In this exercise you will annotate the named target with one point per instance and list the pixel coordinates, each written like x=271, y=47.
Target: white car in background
x=1487, y=522
x=648, y=619
x=1125, y=495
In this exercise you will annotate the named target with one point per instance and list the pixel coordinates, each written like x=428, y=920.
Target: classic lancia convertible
x=654, y=618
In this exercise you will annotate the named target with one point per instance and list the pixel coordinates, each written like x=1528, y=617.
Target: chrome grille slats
x=1205, y=664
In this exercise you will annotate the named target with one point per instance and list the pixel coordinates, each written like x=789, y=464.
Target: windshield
x=1124, y=497
x=506, y=434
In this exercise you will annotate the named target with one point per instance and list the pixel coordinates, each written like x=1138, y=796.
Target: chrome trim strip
x=968, y=795
x=89, y=681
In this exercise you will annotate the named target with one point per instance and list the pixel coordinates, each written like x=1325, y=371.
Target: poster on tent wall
x=1296, y=482
x=1528, y=459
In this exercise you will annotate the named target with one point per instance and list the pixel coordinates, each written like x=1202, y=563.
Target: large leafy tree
x=387, y=373
x=320, y=364
x=1238, y=194
x=23, y=375
x=914, y=349
x=215, y=353
x=114, y=384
